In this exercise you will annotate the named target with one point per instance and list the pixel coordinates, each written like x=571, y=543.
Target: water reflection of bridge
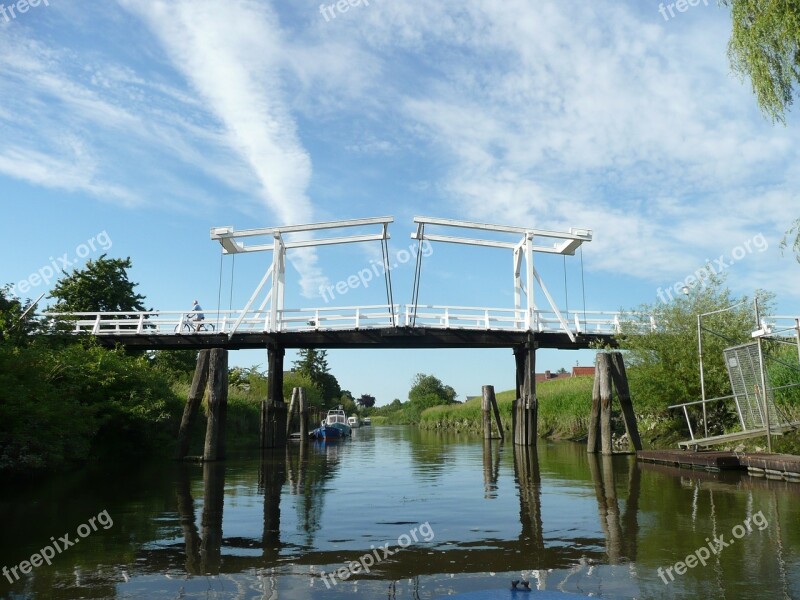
x=303, y=471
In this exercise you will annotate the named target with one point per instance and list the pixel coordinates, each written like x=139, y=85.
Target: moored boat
x=367, y=422
x=353, y=422
x=334, y=426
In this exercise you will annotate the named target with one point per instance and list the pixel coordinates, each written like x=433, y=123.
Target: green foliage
x=783, y=369
x=664, y=367
x=13, y=329
x=765, y=47
x=366, y=401
x=176, y=364
x=425, y=387
x=313, y=364
x=102, y=285
x=61, y=405
x=794, y=230
x=563, y=410
x=295, y=379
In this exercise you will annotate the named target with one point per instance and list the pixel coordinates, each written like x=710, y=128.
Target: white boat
x=367, y=422
x=354, y=422
x=337, y=419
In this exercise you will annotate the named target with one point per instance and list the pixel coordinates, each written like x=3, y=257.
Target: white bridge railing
x=333, y=318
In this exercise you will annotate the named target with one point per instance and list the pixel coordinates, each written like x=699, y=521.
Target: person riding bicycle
x=197, y=316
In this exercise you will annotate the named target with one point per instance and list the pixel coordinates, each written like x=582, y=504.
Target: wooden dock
x=784, y=466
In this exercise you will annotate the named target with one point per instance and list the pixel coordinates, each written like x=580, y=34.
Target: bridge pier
x=525, y=409
x=211, y=373
x=273, y=409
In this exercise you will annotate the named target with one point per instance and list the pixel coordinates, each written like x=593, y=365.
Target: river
x=427, y=514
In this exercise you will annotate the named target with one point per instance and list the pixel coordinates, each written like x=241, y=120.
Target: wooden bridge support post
x=593, y=439
x=620, y=377
x=525, y=408
x=293, y=408
x=610, y=373
x=489, y=406
x=303, y=403
x=196, y=393
x=273, y=409
x=217, y=405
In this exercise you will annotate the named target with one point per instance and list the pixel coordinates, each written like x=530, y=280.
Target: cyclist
x=197, y=316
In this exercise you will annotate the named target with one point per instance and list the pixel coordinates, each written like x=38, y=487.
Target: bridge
x=265, y=320
x=533, y=321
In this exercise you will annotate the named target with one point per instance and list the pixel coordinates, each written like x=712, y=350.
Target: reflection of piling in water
x=491, y=468
x=526, y=471
x=211, y=522
x=620, y=531
x=271, y=480
x=186, y=515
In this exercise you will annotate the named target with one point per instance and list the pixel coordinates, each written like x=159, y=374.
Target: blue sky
x=146, y=123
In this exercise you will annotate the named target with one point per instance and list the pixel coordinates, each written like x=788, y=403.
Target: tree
x=793, y=231
x=101, y=286
x=314, y=364
x=178, y=364
x=424, y=387
x=562, y=371
x=366, y=401
x=295, y=379
x=13, y=328
x=664, y=367
x=765, y=47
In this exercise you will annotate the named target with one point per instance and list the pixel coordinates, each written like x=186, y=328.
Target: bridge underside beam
x=389, y=337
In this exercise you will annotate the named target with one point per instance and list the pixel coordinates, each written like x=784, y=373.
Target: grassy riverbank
x=563, y=410
x=564, y=407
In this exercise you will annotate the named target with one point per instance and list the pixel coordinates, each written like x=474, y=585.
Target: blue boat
x=333, y=427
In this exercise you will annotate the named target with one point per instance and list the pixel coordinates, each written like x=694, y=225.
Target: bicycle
x=189, y=325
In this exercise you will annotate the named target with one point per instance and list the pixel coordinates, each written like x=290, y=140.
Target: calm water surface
x=277, y=527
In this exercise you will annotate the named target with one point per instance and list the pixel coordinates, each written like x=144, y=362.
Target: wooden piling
x=217, y=405
x=525, y=408
x=620, y=378
x=603, y=371
x=293, y=406
x=196, y=393
x=303, y=405
x=273, y=409
x=593, y=438
x=486, y=393
x=610, y=374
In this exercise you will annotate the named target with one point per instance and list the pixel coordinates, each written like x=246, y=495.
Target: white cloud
x=239, y=77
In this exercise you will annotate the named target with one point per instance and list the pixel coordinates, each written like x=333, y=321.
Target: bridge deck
x=389, y=337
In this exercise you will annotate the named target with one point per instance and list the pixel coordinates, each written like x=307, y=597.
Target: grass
x=564, y=406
